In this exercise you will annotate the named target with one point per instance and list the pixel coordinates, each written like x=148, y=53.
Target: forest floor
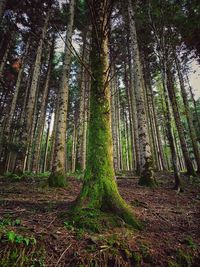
x=34, y=229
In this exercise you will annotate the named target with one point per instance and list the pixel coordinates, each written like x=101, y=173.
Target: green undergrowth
x=16, y=177
x=78, y=174
x=16, y=249
x=57, y=179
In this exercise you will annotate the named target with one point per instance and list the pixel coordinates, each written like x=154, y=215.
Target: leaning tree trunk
x=179, y=125
x=57, y=177
x=146, y=168
x=100, y=189
x=189, y=117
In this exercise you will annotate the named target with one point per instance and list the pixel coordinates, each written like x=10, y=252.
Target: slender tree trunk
x=16, y=92
x=81, y=120
x=172, y=96
x=146, y=168
x=168, y=122
x=188, y=114
x=41, y=120
x=44, y=165
x=26, y=139
x=57, y=177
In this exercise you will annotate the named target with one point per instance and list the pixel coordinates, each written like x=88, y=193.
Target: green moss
x=57, y=179
x=147, y=177
x=99, y=190
x=92, y=220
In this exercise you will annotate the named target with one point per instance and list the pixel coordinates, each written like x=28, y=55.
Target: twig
x=62, y=255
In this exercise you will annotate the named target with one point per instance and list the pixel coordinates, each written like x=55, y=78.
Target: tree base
x=57, y=179
x=104, y=197
x=149, y=182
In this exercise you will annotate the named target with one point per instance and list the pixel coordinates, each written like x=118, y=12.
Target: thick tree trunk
x=146, y=168
x=57, y=177
x=179, y=125
x=100, y=189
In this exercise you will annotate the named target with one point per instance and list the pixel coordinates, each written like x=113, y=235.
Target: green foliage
x=9, y=222
x=57, y=179
x=13, y=237
x=190, y=242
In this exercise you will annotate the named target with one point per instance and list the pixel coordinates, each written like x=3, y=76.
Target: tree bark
x=100, y=189
x=41, y=120
x=188, y=114
x=146, y=168
x=57, y=177
x=180, y=128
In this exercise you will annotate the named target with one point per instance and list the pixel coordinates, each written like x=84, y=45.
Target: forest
x=99, y=133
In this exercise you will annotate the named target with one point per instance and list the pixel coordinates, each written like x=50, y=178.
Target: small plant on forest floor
x=188, y=240
x=13, y=237
x=9, y=222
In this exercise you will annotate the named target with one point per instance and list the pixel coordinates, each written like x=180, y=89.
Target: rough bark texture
x=57, y=177
x=146, y=168
x=100, y=189
x=179, y=125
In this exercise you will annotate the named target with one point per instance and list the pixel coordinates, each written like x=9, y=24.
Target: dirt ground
x=170, y=234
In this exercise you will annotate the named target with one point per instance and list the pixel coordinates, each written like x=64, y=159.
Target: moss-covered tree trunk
x=100, y=189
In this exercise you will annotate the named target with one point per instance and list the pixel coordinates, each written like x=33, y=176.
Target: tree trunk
x=57, y=177
x=41, y=120
x=168, y=121
x=16, y=92
x=100, y=189
x=146, y=168
x=32, y=98
x=188, y=114
x=180, y=128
